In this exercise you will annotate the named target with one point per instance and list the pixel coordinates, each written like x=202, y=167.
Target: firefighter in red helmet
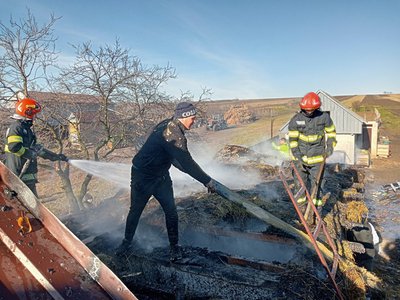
x=21, y=148
x=312, y=137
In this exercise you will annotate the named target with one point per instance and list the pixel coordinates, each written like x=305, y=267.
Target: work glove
x=33, y=151
x=296, y=156
x=211, y=186
x=62, y=157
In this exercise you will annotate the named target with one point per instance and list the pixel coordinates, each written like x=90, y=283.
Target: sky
x=240, y=49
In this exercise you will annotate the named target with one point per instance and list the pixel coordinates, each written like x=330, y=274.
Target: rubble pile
x=246, y=159
x=214, y=232
x=239, y=114
x=235, y=153
x=205, y=274
x=383, y=201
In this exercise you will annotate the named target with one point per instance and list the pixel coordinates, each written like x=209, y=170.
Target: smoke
x=113, y=172
x=272, y=156
x=184, y=185
x=338, y=157
x=242, y=247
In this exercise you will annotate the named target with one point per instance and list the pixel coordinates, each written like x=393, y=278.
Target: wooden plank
x=383, y=150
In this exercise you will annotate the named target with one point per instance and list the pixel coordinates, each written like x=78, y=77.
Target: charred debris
x=228, y=252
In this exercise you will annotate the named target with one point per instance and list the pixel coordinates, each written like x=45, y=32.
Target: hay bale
x=355, y=211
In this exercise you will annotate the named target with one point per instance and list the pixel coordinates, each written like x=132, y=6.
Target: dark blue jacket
x=20, y=140
x=167, y=145
x=307, y=135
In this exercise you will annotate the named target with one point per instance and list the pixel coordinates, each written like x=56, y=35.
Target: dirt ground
x=387, y=170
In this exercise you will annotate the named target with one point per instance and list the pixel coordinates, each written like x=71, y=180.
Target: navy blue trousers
x=142, y=188
x=309, y=176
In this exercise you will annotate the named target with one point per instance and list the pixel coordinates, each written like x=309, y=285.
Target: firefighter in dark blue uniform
x=21, y=149
x=312, y=137
x=165, y=146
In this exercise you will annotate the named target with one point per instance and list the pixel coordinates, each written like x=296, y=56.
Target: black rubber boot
x=124, y=248
x=175, y=253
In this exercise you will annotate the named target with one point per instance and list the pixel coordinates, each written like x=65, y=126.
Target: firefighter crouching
x=21, y=149
x=312, y=137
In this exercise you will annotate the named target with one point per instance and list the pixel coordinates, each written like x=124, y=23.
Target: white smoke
x=113, y=172
x=184, y=185
x=272, y=156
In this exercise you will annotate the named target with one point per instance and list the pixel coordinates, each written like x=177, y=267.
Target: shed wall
x=344, y=150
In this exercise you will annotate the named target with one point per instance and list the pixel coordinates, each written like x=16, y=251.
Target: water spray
x=115, y=172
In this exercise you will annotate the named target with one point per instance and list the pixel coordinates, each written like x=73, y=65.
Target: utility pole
x=272, y=123
x=272, y=127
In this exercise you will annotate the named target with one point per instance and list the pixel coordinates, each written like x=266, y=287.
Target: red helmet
x=310, y=101
x=27, y=108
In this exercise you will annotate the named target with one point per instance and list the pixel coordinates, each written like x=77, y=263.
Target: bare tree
x=28, y=51
x=121, y=97
x=127, y=98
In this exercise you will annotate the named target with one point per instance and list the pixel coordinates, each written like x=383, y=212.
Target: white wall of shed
x=374, y=137
x=345, y=150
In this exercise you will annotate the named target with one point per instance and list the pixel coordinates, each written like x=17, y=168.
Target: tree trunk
x=75, y=205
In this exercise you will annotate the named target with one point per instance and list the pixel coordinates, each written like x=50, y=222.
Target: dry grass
x=349, y=102
x=355, y=211
x=260, y=130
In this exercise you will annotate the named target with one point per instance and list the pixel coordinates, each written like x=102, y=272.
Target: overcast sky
x=241, y=49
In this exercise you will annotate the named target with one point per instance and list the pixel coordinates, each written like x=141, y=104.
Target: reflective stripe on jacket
x=307, y=135
x=19, y=139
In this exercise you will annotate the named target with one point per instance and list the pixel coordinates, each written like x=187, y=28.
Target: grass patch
x=389, y=119
x=349, y=103
x=259, y=130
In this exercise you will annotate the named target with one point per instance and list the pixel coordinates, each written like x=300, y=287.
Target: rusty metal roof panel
x=48, y=261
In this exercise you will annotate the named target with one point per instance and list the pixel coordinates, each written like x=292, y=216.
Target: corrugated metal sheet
x=49, y=262
x=346, y=121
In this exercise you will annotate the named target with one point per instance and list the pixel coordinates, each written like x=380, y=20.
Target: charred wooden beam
x=269, y=218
